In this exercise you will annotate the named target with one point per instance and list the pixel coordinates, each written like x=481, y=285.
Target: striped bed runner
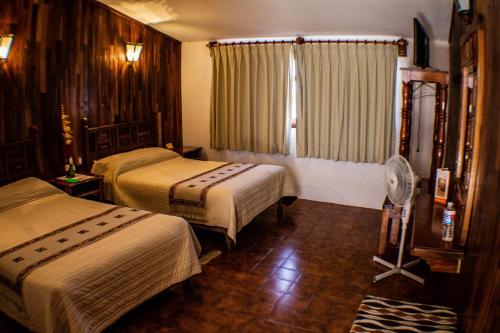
x=377, y=314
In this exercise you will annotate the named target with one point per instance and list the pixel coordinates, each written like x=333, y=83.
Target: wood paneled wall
x=478, y=287
x=73, y=53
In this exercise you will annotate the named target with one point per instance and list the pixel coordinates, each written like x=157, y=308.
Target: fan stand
x=398, y=268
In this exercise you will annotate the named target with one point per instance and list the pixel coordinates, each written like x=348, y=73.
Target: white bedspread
x=90, y=288
x=139, y=179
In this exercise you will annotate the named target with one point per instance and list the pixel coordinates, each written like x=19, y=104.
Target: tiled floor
x=308, y=272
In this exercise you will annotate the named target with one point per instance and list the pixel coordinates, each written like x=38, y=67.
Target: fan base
x=397, y=270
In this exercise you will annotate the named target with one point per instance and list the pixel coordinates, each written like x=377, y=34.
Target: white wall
x=347, y=183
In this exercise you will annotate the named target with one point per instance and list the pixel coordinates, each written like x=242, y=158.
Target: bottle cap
x=449, y=205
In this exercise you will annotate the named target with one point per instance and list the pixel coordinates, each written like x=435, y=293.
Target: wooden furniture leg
x=229, y=243
x=280, y=209
x=187, y=285
x=404, y=140
x=393, y=214
x=394, y=231
x=383, y=231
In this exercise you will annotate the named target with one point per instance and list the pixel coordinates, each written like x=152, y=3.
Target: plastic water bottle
x=449, y=216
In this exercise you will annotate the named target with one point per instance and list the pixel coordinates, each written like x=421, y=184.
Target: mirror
x=470, y=127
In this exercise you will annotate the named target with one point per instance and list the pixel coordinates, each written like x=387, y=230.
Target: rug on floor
x=378, y=314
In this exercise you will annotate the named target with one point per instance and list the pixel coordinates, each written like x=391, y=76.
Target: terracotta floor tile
x=337, y=326
x=290, y=264
x=259, y=309
x=240, y=320
x=206, y=327
x=286, y=274
x=320, y=309
x=273, y=260
x=216, y=316
x=264, y=270
x=264, y=326
x=268, y=296
x=309, y=279
x=276, y=284
x=283, y=251
x=284, y=315
x=294, y=302
x=329, y=294
x=311, y=323
x=359, y=281
x=232, y=301
x=302, y=289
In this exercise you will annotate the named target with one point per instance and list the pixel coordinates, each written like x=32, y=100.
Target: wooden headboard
x=103, y=141
x=19, y=159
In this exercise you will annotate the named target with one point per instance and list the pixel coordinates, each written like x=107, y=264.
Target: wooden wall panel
x=73, y=53
x=477, y=290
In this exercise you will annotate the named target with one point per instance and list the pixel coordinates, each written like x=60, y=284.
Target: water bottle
x=449, y=216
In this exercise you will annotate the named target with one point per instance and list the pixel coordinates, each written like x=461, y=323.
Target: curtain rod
x=401, y=43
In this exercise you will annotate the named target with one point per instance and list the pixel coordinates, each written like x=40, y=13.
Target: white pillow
x=112, y=166
x=24, y=191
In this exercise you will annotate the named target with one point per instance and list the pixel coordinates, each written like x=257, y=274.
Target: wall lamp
x=133, y=51
x=5, y=44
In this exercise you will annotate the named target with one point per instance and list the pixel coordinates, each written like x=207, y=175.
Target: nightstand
x=89, y=186
x=189, y=152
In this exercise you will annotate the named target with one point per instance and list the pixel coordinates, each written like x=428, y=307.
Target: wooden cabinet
x=426, y=240
x=189, y=152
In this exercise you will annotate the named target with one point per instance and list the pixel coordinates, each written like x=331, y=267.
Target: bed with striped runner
x=378, y=314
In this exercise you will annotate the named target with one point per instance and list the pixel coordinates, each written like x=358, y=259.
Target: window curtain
x=250, y=86
x=345, y=101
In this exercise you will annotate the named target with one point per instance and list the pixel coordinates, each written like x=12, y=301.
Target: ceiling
x=199, y=20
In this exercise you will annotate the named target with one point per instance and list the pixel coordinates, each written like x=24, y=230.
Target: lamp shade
x=133, y=51
x=5, y=44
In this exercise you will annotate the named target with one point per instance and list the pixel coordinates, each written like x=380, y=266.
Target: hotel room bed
x=73, y=265
x=214, y=194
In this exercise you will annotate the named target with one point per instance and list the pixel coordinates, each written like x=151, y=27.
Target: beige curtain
x=345, y=101
x=250, y=86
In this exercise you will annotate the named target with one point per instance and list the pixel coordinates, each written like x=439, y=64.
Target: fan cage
x=399, y=180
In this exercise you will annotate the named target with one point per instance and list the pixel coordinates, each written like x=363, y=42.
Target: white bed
x=143, y=178
x=86, y=283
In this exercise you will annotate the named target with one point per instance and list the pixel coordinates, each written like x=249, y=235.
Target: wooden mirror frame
x=471, y=111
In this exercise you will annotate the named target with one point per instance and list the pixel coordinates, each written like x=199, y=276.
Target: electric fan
x=401, y=183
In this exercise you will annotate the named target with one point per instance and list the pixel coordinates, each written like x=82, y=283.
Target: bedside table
x=189, y=152
x=89, y=187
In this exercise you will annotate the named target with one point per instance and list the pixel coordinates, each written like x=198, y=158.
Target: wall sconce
x=5, y=44
x=133, y=51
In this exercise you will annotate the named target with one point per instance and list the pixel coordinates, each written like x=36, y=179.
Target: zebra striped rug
x=377, y=314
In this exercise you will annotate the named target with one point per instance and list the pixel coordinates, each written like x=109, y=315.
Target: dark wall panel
x=73, y=53
x=478, y=289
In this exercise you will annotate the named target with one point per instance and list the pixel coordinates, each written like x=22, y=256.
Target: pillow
x=112, y=166
x=119, y=163
x=24, y=191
